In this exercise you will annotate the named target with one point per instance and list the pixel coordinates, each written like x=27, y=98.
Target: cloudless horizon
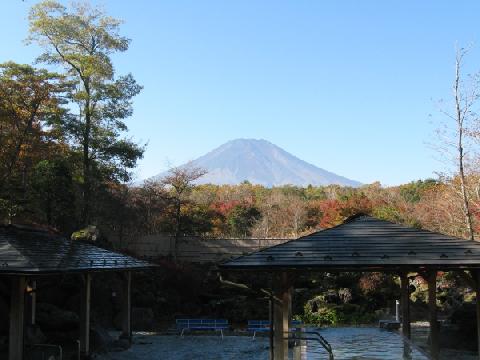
x=351, y=87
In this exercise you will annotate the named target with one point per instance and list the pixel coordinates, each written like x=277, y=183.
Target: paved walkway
x=150, y=346
x=147, y=347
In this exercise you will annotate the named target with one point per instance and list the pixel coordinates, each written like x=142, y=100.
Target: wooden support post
x=286, y=312
x=270, y=318
x=30, y=303
x=33, y=296
x=17, y=318
x=405, y=303
x=432, y=307
x=476, y=277
x=287, y=309
x=127, y=307
x=85, y=294
x=281, y=291
x=289, y=305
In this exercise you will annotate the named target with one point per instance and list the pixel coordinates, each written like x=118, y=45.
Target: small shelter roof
x=31, y=251
x=365, y=243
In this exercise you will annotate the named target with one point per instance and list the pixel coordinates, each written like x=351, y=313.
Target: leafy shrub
x=318, y=313
x=355, y=316
x=323, y=316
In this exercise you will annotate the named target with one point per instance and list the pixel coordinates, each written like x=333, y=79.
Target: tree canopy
x=81, y=40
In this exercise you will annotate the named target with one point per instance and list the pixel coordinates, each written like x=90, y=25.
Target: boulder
x=101, y=339
x=463, y=332
x=121, y=345
x=465, y=317
x=50, y=317
x=332, y=297
x=345, y=295
x=33, y=335
x=142, y=318
x=90, y=233
x=117, y=321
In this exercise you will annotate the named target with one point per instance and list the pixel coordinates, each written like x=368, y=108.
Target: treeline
x=289, y=211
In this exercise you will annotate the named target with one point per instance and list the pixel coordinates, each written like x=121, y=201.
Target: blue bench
x=264, y=325
x=202, y=324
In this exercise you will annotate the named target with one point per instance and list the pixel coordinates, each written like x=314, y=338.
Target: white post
x=397, y=311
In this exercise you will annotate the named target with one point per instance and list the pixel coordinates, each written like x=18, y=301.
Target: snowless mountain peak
x=261, y=162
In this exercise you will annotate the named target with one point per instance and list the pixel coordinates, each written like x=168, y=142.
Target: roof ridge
x=31, y=228
x=33, y=251
x=356, y=216
x=366, y=242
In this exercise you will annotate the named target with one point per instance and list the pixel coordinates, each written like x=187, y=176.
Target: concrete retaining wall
x=197, y=249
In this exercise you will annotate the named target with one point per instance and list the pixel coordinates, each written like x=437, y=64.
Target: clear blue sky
x=345, y=85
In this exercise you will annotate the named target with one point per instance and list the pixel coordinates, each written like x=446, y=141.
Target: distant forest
x=252, y=210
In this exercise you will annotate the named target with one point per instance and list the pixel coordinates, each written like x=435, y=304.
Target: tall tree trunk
x=87, y=185
x=460, y=116
x=178, y=206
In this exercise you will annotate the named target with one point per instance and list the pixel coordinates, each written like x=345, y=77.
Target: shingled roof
x=365, y=243
x=31, y=251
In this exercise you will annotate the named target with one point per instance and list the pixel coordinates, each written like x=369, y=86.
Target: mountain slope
x=261, y=162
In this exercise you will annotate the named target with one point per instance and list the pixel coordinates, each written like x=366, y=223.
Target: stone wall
x=196, y=249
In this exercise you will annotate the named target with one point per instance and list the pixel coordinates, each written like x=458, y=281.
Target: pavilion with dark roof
x=363, y=244
x=26, y=254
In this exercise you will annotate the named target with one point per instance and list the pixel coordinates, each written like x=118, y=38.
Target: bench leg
x=181, y=334
x=221, y=332
x=254, y=333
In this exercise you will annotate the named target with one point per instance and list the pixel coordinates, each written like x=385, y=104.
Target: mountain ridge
x=260, y=162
